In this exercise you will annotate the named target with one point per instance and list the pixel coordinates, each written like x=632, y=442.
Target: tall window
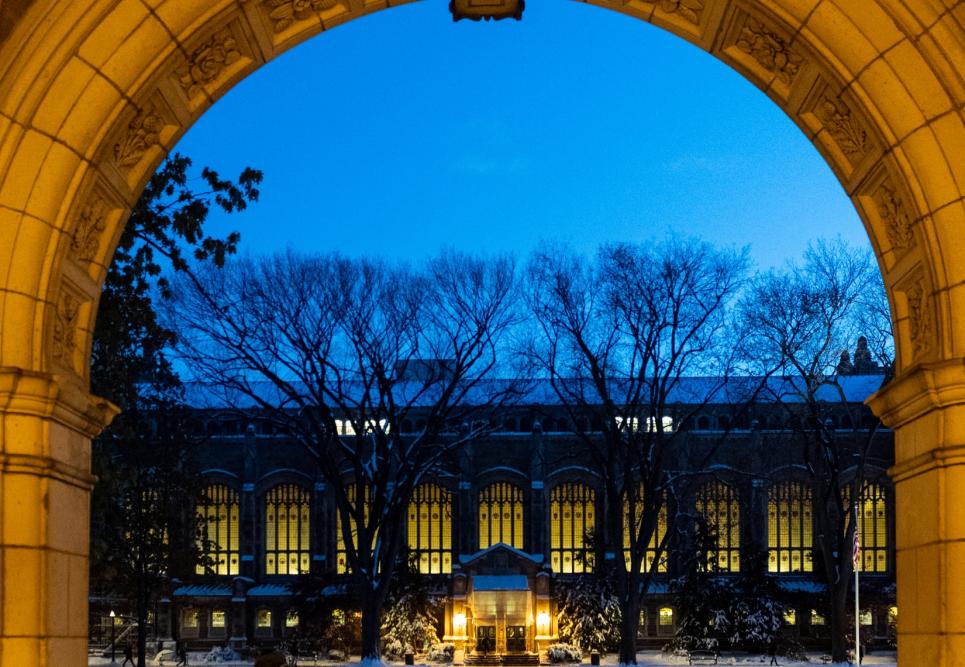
x=341, y=554
x=572, y=516
x=430, y=528
x=218, y=513
x=873, y=527
x=287, y=546
x=717, y=503
x=636, y=517
x=501, y=515
x=789, y=524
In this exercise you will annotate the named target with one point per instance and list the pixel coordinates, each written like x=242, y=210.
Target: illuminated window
x=218, y=617
x=666, y=616
x=634, y=515
x=865, y=617
x=572, y=517
x=218, y=516
x=789, y=526
x=501, y=515
x=287, y=530
x=873, y=526
x=816, y=618
x=263, y=619
x=291, y=619
x=341, y=555
x=892, y=615
x=190, y=618
x=790, y=617
x=430, y=529
x=632, y=424
x=717, y=503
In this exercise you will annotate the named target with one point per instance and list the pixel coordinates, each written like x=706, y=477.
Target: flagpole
x=855, y=562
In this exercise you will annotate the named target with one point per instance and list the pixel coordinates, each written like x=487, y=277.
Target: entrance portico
x=500, y=610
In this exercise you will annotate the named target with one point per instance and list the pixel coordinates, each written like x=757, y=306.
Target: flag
x=856, y=546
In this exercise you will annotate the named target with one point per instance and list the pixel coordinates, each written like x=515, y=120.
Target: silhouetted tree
x=143, y=527
x=618, y=337
x=339, y=354
x=801, y=319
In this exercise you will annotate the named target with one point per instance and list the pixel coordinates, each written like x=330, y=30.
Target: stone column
x=46, y=423
x=926, y=410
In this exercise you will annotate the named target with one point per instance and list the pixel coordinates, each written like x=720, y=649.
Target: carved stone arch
x=94, y=92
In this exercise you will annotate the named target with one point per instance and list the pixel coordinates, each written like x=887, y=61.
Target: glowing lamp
x=542, y=623
x=459, y=624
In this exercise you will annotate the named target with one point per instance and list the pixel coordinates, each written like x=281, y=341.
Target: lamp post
x=113, y=647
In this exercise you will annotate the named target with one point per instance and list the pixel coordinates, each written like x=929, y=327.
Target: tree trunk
x=629, y=625
x=371, y=631
x=840, y=624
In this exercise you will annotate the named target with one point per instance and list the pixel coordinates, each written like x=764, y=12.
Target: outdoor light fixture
x=542, y=623
x=479, y=10
x=113, y=643
x=459, y=624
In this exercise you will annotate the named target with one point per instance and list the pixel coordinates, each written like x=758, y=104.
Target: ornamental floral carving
x=919, y=319
x=142, y=133
x=847, y=132
x=91, y=225
x=689, y=9
x=208, y=61
x=65, y=329
x=898, y=224
x=769, y=50
x=284, y=13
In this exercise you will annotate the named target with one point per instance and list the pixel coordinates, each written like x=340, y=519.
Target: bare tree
x=338, y=354
x=804, y=319
x=618, y=336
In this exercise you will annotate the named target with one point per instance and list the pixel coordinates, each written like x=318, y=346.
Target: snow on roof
x=203, y=591
x=268, y=590
x=687, y=391
x=801, y=586
x=468, y=558
x=500, y=582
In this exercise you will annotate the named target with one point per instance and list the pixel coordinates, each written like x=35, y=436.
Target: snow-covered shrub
x=393, y=649
x=442, y=653
x=558, y=653
x=220, y=654
x=335, y=655
x=589, y=614
x=344, y=631
x=410, y=623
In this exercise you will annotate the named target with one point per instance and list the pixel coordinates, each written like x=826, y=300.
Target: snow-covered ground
x=648, y=658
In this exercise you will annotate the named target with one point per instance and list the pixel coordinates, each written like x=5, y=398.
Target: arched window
x=501, y=515
x=218, y=515
x=341, y=555
x=789, y=526
x=717, y=503
x=430, y=528
x=873, y=527
x=572, y=517
x=634, y=516
x=287, y=530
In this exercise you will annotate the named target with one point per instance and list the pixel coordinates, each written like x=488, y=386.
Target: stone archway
x=94, y=92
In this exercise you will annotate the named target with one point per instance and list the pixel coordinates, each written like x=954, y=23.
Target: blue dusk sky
x=403, y=132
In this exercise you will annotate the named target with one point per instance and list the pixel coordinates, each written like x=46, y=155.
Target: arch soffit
x=495, y=475
x=213, y=476
x=95, y=92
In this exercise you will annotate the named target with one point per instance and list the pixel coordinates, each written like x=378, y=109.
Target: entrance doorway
x=485, y=638
x=515, y=639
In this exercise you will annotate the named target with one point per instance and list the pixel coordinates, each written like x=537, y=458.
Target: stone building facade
x=496, y=531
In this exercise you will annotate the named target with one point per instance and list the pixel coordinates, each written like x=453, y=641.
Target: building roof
x=687, y=391
x=500, y=582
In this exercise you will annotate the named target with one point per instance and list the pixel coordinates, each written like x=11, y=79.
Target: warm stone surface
x=94, y=92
